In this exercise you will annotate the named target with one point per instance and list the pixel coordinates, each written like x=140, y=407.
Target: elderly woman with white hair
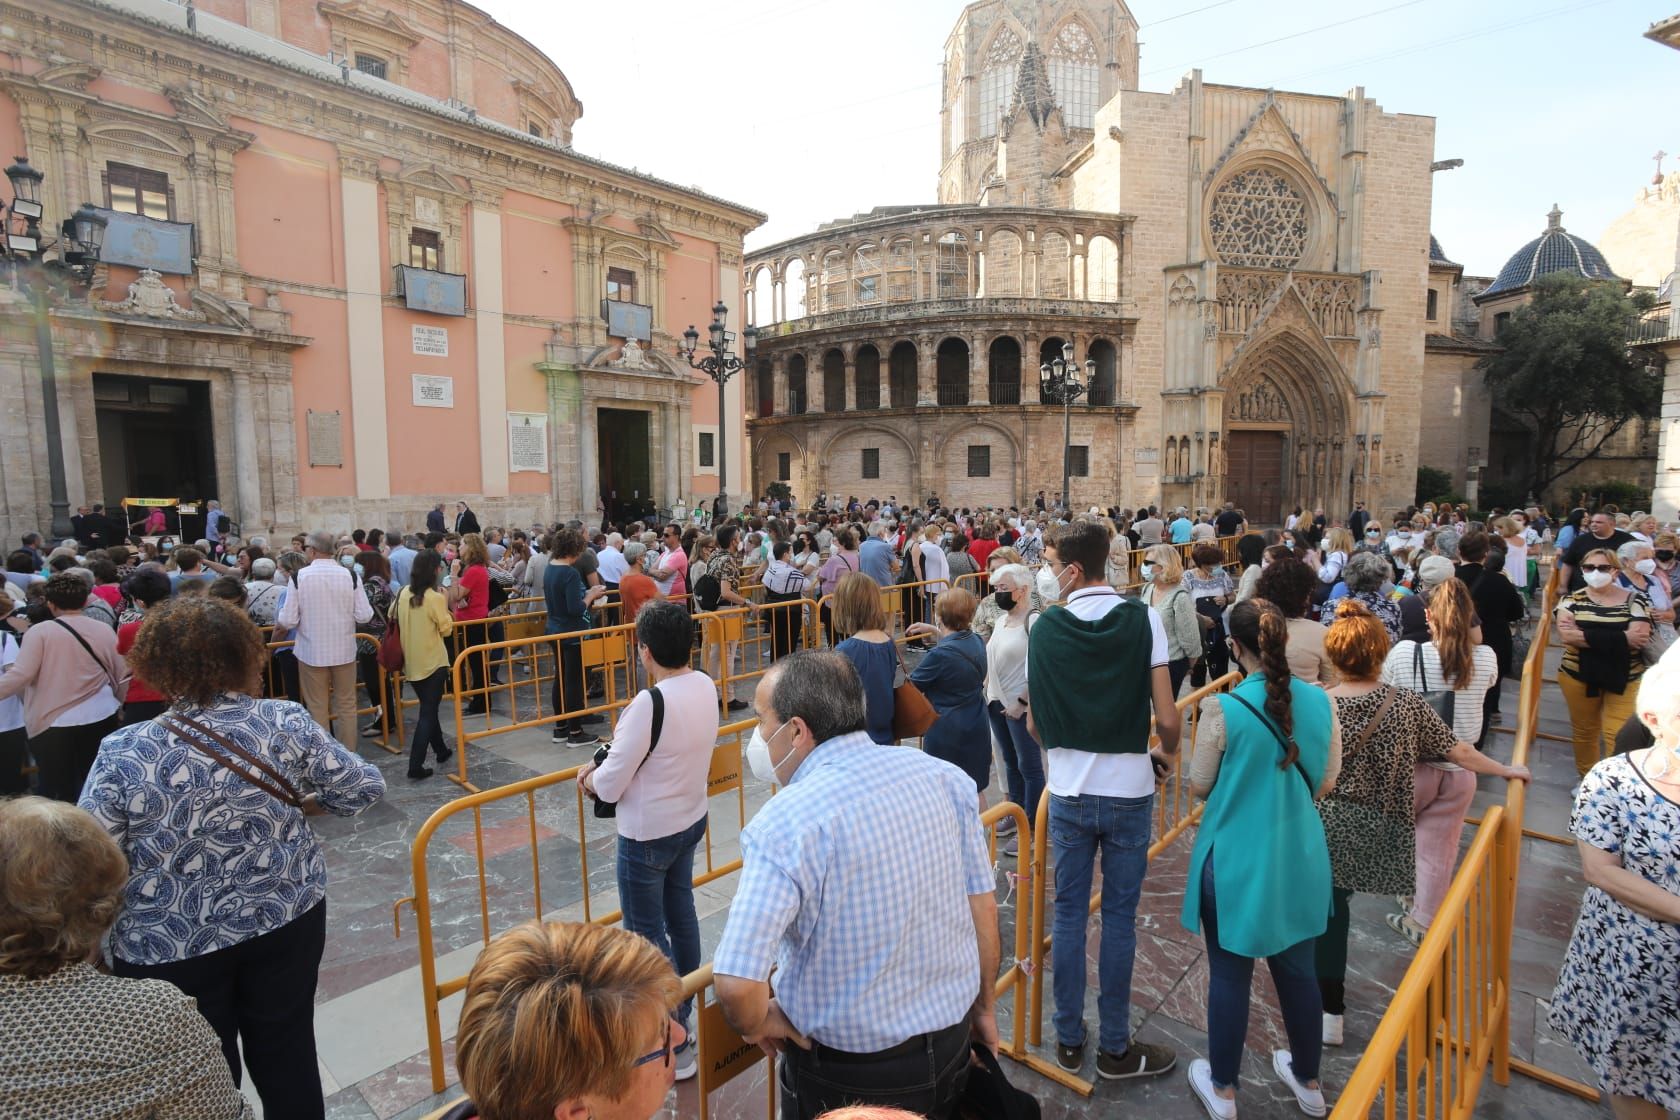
x=1639, y=573
x=1368, y=576
x=1006, y=686
x=1618, y=993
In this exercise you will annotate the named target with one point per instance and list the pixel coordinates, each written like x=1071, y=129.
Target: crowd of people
x=177, y=757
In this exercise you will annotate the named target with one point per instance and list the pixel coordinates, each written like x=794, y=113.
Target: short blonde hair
x=1165, y=557
x=1338, y=540
x=857, y=604
x=474, y=551
x=558, y=1010
x=61, y=883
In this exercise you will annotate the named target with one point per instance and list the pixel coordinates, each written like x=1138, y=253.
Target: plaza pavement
x=371, y=1030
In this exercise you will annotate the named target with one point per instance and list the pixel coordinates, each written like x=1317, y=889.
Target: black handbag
x=1442, y=700
x=608, y=809
x=988, y=1095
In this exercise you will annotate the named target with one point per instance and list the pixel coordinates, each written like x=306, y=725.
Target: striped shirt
x=1635, y=608
x=856, y=884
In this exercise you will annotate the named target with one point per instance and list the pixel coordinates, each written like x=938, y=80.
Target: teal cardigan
x=1271, y=880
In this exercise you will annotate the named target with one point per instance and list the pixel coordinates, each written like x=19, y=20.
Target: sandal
x=1405, y=927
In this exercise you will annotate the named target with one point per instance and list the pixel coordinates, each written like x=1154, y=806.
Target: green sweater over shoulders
x=1088, y=683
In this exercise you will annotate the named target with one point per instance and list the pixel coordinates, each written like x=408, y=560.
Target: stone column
x=247, y=489
x=927, y=370
x=851, y=382
x=677, y=457
x=779, y=374
x=979, y=371
x=589, y=467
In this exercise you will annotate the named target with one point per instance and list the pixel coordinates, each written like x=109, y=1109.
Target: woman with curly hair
x=117, y=1047
x=1260, y=872
x=226, y=894
x=1288, y=584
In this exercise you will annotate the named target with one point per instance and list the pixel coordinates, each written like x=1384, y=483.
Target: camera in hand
x=604, y=808
x=610, y=808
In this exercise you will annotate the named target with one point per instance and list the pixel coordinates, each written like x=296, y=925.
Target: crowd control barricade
x=1449, y=1021
x=722, y=1054
x=279, y=682
x=500, y=821
x=1175, y=812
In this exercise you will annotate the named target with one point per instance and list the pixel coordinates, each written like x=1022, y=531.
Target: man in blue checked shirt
x=868, y=886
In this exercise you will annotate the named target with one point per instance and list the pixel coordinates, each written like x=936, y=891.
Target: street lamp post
x=39, y=279
x=720, y=365
x=1058, y=383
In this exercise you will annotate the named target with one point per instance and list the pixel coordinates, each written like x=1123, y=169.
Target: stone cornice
x=270, y=91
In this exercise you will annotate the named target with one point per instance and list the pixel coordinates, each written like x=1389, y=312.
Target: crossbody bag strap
x=81, y=641
x=1375, y=721
x=1282, y=741
x=256, y=771
x=1419, y=667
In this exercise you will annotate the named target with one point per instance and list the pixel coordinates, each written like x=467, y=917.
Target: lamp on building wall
x=1058, y=383
x=40, y=279
x=720, y=365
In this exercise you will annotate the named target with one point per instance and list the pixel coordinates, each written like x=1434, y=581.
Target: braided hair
x=1258, y=625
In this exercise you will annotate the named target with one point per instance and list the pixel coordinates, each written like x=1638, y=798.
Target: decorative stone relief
x=632, y=357
x=150, y=298
x=1263, y=404
x=1258, y=220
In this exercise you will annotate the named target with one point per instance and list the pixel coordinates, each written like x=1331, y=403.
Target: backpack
x=708, y=592
x=223, y=524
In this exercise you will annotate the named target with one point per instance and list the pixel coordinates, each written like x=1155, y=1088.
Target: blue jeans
x=656, y=893
x=1294, y=974
x=1080, y=827
x=1023, y=761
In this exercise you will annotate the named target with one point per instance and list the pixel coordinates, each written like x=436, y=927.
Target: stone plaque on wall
x=527, y=441
x=326, y=438
x=431, y=342
x=432, y=391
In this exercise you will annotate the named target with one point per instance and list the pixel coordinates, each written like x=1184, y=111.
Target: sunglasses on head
x=1598, y=567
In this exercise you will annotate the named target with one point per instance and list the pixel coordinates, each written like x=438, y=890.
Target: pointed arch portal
x=1288, y=425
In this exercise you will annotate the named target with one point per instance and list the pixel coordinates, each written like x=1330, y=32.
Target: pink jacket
x=55, y=673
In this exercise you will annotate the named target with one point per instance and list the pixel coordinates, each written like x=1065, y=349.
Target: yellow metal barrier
x=275, y=688
x=725, y=778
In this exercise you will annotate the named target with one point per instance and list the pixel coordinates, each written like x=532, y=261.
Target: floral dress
x=1618, y=996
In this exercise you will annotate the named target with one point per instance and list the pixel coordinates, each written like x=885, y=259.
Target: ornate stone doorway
x=1288, y=413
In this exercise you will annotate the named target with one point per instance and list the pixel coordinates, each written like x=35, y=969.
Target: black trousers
x=924, y=1075
x=428, y=728
x=64, y=755
x=568, y=684
x=261, y=991
x=14, y=756
x=475, y=633
x=786, y=622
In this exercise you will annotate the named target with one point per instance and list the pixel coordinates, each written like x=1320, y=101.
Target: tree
x=1433, y=484
x=1565, y=370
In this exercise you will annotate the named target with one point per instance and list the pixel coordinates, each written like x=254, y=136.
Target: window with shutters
x=425, y=249
x=708, y=449
x=135, y=190
x=979, y=460
x=872, y=462
x=1079, y=460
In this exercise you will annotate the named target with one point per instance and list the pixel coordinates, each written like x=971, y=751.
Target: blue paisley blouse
x=214, y=860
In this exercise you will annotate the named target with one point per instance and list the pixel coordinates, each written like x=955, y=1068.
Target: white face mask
x=758, y=757
x=1598, y=579
x=1646, y=566
x=1148, y=573
x=1049, y=587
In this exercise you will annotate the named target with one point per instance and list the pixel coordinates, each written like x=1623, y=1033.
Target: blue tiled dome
x=1556, y=250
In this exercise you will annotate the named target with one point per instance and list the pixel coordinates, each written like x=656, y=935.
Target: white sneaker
x=687, y=1061
x=1201, y=1083
x=1332, y=1029
x=1310, y=1100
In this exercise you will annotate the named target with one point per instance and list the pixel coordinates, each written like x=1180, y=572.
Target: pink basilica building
x=353, y=266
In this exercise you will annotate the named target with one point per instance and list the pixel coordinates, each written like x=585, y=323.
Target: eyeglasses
x=1598, y=567
x=663, y=1052
x=1665, y=554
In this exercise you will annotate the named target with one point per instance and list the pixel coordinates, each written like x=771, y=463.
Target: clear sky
x=811, y=110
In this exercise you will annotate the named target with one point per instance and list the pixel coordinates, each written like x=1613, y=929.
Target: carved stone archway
x=1286, y=383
